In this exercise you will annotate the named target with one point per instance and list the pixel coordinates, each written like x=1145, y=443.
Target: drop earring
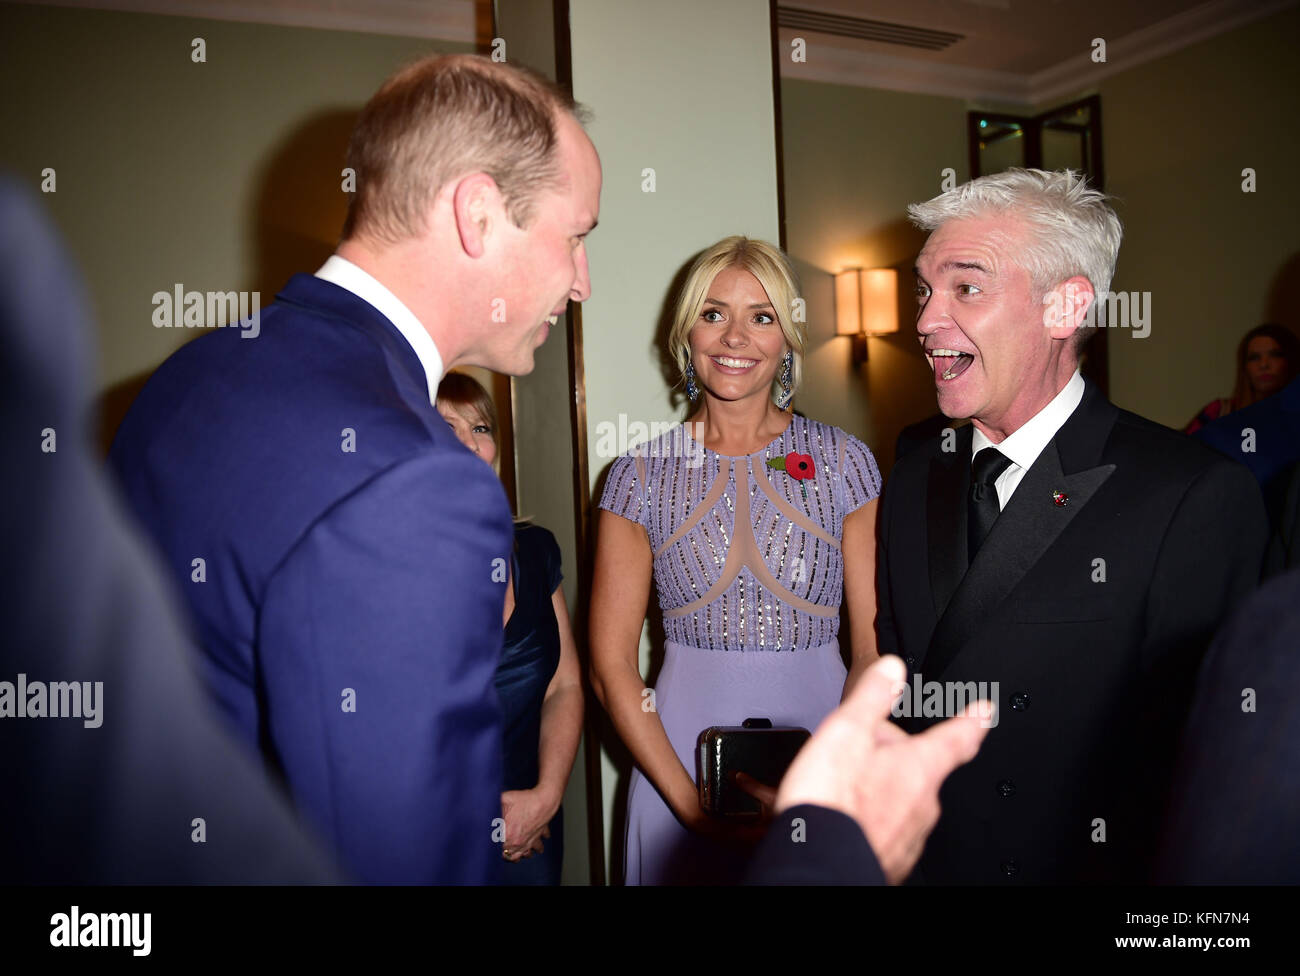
x=787, y=364
x=692, y=390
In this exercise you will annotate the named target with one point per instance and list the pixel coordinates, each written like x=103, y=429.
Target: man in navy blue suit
x=343, y=555
x=114, y=768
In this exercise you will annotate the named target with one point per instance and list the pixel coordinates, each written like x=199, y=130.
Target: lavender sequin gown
x=750, y=577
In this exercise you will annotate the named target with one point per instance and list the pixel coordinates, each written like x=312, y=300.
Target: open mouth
x=948, y=364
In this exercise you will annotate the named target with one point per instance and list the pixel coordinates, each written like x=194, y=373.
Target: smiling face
x=982, y=327
x=1266, y=365
x=471, y=428
x=737, y=344
x=545, y=264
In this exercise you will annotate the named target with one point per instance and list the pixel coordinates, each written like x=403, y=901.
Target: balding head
x=440, y=119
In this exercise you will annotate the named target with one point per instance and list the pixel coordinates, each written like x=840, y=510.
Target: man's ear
x=1065, y=307
x=475, y=202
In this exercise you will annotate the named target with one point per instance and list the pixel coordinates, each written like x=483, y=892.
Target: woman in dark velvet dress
x=538, y=680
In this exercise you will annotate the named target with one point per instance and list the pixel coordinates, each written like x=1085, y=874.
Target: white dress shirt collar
x=1027, y=442
x=342, y=272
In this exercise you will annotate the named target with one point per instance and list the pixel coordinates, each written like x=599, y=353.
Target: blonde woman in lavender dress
x=755, y=525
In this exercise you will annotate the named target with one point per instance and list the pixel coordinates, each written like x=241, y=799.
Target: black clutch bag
x=756, y=749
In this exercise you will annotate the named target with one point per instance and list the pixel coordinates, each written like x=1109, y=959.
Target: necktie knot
x=982, y=506
x=988, y=466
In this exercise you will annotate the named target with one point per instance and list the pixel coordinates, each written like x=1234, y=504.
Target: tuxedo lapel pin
x=1060, y=498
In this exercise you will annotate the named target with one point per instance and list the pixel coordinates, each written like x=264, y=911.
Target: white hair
x=1073, y=230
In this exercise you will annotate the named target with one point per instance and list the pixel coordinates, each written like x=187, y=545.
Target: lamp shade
x=879, y=290
x=848, y=302
x=866, y=302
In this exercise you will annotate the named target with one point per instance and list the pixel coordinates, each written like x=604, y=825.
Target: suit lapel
x=1027, y=527
x=945, y=520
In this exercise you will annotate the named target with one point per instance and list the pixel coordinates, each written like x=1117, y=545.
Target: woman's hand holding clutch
x=741, y=832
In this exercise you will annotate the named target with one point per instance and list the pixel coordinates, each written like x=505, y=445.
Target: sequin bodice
x=742, y=559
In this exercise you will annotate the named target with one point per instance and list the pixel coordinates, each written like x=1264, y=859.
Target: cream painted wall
x=685, y=89
x=1177, y=134
x=221, y=176
x=544, y=452
x=854, y=159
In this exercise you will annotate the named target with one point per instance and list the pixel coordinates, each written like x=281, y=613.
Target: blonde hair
x=772, y=268
x=445, y=117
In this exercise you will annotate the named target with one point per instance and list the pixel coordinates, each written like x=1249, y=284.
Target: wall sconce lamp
x=866, y=304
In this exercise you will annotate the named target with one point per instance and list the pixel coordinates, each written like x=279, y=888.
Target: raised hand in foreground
x=861, y=764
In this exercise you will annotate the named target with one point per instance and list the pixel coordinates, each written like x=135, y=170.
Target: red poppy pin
x=800, y=467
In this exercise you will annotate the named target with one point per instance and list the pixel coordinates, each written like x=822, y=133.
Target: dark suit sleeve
x=151, y=789
x=1209, y=561
x=814, y=845
x=378, y=640
x=1236, y=803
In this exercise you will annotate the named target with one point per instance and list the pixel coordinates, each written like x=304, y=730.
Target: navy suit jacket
x=1275, y=422
x=150, y=789
x=1265, y=437
x=350, y=593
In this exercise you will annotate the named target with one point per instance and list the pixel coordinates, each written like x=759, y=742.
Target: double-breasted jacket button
x=1010, y=868
x=1020, y=701
x=1006, y=787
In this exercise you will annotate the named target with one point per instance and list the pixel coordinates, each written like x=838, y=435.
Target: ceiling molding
x=846, y=66
x=1160, y=39
x=456, y=20
x=862, y=69
x=443, y=20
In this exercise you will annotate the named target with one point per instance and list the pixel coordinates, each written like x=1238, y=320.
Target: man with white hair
x=1070, y=554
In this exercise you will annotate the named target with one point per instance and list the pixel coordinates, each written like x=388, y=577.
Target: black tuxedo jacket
x=1090, y=606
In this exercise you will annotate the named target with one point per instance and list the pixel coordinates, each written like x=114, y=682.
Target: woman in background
x=755, y=524
x=538, y=680
x=1268, y=358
